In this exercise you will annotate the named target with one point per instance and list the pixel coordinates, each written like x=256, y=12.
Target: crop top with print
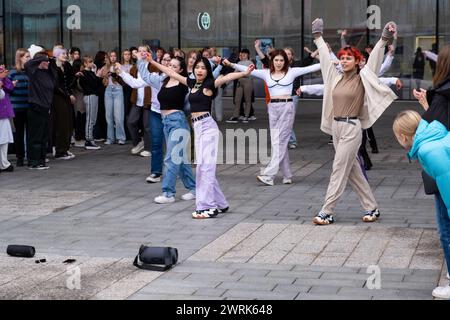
x=284, y=86
x=199, y=101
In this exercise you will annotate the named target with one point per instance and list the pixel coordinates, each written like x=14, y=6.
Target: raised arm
x=431, y=55
x=376, y=57
x=327, y=66
x=152, y=79
x=258, y=49
x=168, y=71
x=261, y=74
x=343, y=41
x=298, y=72
x=234, y=76
x=313, y=89
x=134, y=83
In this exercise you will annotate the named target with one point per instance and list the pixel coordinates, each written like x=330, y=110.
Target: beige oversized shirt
x=348, y=96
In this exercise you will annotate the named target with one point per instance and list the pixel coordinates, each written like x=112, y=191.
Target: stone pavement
x=98, y=210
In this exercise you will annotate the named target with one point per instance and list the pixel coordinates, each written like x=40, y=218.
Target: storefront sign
x=204, y=21
x=74, y=20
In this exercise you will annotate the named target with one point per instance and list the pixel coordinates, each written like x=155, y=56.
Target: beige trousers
x=346, y=168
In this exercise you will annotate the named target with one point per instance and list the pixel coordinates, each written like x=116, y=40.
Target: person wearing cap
x=41, y=79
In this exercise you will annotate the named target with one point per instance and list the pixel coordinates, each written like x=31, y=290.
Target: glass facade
x=225, y=24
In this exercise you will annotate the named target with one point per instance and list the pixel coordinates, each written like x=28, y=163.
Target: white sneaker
x=108, y=142
x=442, y=292
x=136, y=150
x=287, y=181
x=145, y=154
x=79, y=144
x=252, y=118
x=241, y=118
x=163, y=199
x=266, y=180
x=71, y=155
x=153, y=178
x=188, y=196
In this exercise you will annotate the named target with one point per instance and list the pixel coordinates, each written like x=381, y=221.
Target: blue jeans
x=443, y=222
x=115, y=113
x=176, y=162
x=293, y=138
x=157, y=140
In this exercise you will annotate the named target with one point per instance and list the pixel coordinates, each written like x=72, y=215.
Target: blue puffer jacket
x=432, y=148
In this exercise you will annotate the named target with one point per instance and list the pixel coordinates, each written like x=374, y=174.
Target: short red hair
x=351, y=51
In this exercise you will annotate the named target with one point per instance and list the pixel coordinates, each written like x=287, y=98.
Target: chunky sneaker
x=121, y=142
x=245, y=120
x=188, y=196
x=371, y=216
x=252, y=118
x=145, y=154
x=266, y=180
x=63, y=157
x=323, y=219
x=163, y=199
x=232, y=120
x=224, y=210
x=205, y=214
x=39, y=167
x=136, y=150
x=154, y=178
x=90, y=145
x=442, y=292
x=79, y=144
x=287, y=181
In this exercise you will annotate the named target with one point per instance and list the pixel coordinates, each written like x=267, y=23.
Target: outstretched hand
x=317, y=27
x=226, y=62
x=250, y=69
x=421, y=96
x=399, y=85
x=389, y=30
x=257, y=43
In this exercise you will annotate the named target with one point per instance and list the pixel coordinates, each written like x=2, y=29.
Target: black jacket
x=90, y=83
x=65, y=81
x=438, y=99
x=41, y=83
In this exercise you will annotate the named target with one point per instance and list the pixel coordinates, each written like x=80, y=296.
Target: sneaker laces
x=323, y=216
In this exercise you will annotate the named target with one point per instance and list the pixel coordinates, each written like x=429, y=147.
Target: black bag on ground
x=429, y=184
x=21, y=251
x=156, y=258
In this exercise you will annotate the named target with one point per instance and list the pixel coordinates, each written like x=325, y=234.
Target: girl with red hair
x=344, y=115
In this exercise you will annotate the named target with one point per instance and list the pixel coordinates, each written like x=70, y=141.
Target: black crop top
x=200, y=102
x=172, y=98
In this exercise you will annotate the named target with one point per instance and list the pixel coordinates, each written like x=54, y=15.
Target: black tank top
x=172, y=98
x=199, y=101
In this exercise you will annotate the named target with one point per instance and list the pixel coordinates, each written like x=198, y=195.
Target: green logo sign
x=204, y=21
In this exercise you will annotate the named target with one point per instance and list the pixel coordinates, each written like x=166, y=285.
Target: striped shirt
x=19, y=97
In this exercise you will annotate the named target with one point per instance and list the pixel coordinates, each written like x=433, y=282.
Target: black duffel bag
x=429, y=184
x=156, y=258
x=21, y=251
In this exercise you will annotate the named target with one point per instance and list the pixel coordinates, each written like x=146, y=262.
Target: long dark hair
x=209, y=74
x=279, y=52
x=99, y=59
x=442, y=66
x=182, y=67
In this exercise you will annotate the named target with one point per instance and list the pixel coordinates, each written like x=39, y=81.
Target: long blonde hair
x=20, y=53
x=442, y=65
x=406, y=123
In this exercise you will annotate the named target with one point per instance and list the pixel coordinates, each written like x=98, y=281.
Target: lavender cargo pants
x=208, y=192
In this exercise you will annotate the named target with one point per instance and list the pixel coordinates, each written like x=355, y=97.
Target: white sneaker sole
x=271, y=184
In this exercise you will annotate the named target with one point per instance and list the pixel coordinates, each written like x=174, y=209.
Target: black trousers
x=38, y=121
x=20, y=123
x=100, y=127
x=80, y=126
x=368, y=134
x=62, y=123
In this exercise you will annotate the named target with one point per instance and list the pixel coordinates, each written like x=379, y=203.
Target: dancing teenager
x=210, y=200
x=344, y=114
x=280, y=79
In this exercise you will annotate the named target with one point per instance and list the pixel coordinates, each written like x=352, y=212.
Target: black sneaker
x=19, y=163
x=205, y=214
x=90, y=145
x=224, y=210
x=323, y=219
x=371, y=216
x=153, y=178
x=9, y=169
x=233, y=120
x=39, y=167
